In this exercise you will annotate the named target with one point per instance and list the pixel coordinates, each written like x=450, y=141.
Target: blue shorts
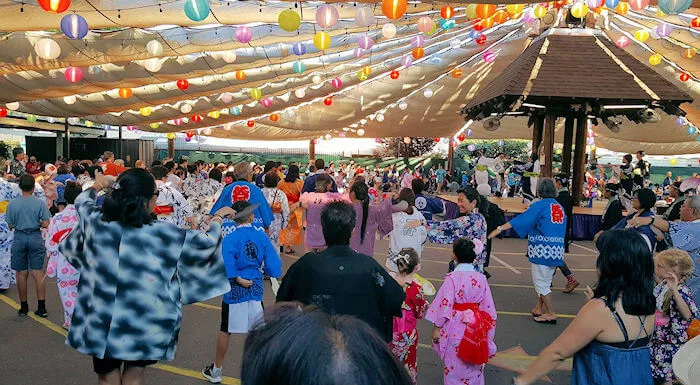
x=28, y=251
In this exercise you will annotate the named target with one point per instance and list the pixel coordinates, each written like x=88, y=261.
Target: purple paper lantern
x=471, y=147
x=407, y=61
x=417, y=41
x=243, y=34
x=188, y=139
x=358, y=53
x=299, y=49
x=365, y=42
x=74, y=26
x=664, y=29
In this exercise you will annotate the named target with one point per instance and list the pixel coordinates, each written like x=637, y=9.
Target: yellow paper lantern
x=170, y=135
x=470, y=12
x=255, y=94
x=322, y=41
x=515, y=8
x=622, y=8
x=145, y=111
x=89, y=123
x=539, y=11
x=214, y=114
x=367, y=70
x=154, y=125
x=579, y=10
x=361, y=76
x=641, y=35
x=689, y=53
x=673, y=161
x=660, y=13
x=289, y=20
x=655, y=59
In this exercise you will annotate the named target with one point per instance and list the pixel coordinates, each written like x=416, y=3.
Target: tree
x=513, y=149
x=5, y=150
x=396, y=147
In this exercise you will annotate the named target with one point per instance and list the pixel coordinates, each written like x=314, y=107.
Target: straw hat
x=686, y=363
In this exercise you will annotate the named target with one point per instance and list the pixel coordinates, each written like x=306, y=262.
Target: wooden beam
x=171, y=148
x=568, y=145
x=312, y=149
x=450, y=157
x=537, y=133
x=579, y=159
x=548, y=145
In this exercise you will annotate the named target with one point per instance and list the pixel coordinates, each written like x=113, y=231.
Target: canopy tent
x=342, y=90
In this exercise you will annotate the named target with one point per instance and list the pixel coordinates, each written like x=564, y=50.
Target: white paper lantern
x=407, y=140
x=300, y=93
x=403, y=106
x=388, y=30
x=154, y=48
x=364, y=17
x=361, y=132
x=226, y=97
x=47, y=49
x=152, y=65
x=12, y=106
x=70, y=99
x=229, y=56
x=316, y=79
x=428, y=93
x=186, y=108
x=73, y=120
x=328, y=137
x=456, y=43
x=51, y=119
x=380, y=118
x=228, y=126
x=206, y=131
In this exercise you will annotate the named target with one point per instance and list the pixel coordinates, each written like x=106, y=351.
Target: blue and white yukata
x=686, y=236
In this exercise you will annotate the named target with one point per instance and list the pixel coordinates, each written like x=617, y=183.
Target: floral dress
x=669, y=332
x=280, y=211
x=405, y=342
x=66, y=275
x=471, y=226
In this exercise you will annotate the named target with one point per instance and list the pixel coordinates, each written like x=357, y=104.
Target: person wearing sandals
x=544, y=224
x=609, y=338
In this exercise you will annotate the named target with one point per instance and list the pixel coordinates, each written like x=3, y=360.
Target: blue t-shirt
x=62, y=178
x=27, y=213
x=544, y=224
x=310, y=184
x=244, y=191
x=429, y=205
x=441, y=173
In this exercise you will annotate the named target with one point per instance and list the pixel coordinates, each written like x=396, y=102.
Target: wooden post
x=548, y=144
x=312, y=149
x=171, y=148
x=568, y=145
x=120, y=154
x=450, y=157
x=537, y=129
x=66, y=143
x=579, y=159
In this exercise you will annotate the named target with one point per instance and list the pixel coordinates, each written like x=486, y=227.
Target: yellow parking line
x=164, y=367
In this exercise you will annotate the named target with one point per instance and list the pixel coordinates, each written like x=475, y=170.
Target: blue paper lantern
x=612, y=3
x=299, y=49
x=299, y=67
x=235, y=110
x=447, y=24
x=691, y=130
x=74, y=26
x=698, y=138
x=470, y=132
x=197, y=10
x=674, y=7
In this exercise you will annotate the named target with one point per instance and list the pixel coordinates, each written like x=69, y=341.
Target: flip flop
x=535, y=314
x=545, y=321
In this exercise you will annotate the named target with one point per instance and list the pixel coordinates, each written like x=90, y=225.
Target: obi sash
x=474, y=346
x=530, y=174
x=3, y=206
x=482, y=167
x=163, y=212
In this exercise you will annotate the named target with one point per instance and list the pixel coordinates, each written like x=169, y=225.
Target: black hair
x=362, y=194
x=71, y=192
x=338, y=221
x=302, y=345
x=646, y=198
x=181, y=172
x=26, y=182
x=156, y=163
x=463, y=249
x=292, y=173
x=16, y=151
x=481, y=202
x=77, y=170
x=626, y=271
x=271, y=179
x=62, y=169
x=91, y=170
x=417, y=185
x=320, y=164
x=169, y=165
x=640, y=152
x=192, y=168
x=323, y=180
x=628, y=158
x=159, y=172
x=269, y=165
x=312, y=168
x=613, y=188
x=407, y=195
x=128, y=204
x=408, y=265
x=534, y=156
x=239, y=206
x=215, y=174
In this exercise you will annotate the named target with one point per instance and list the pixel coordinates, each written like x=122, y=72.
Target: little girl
x=464, y=316
x=405, y=342
x=409, y=230
x=675, y=310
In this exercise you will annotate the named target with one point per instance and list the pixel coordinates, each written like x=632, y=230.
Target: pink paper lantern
x=177, y=121
x=326, y=16
x=365, y=42
x=378, y=140
x=622, y=41
x=638, y=5
x=337, y=83
x=489, y=56
x=417, y=41
x=358, y=53
x=341, y=134
x=243, y=34
x=73, y=74
x=267, y=102
x=425, y=25
x=226, y=97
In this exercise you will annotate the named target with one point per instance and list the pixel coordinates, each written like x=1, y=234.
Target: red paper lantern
x=251, y=123
x=394, y=74
x=125, y=93
x=685, y=77
x=447, y=12
x=189, y=134
x=3, y=112
x=481, y=40
x=274, y=117
x=461, y=137
x=183, y=84
x=196, y=118
x=696, y=22
x=328, y=101
x=436, y=140
x=418, y=52
x=240, y=75
x=478, y=27
x=54, y=6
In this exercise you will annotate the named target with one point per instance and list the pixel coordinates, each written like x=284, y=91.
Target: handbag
x=276, y=206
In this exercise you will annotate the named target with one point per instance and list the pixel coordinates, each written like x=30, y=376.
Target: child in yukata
x=464, y=316
x=405, y=341
x=247, y=252
x=675, y=311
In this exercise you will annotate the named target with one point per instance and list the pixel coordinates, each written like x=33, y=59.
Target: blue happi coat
x=544, y=224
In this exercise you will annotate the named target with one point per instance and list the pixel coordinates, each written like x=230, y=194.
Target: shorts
x=542, y=278
x=28, y=251
x=107, y=365
x=240, y=317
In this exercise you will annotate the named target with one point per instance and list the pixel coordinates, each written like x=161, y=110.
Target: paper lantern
x=470, y=11
x=364, y=17
x=299, y=49
x=12, y=106
x=74, y=26
x=580, y=9
x=365, y=42
x=251, y=123
x=47, y=49
x=358, y=53
x=125, y=93
x=362, y=76
x=337, y=83
x=197, y=10
x=70, y=99
x=664, y=29
x=685, y=77
x=673, y=161
x=73, y=74
x=403, y=106
x=612, y=4
x=361, y=131
x=379, y=118
x=471, y=147
x=500, y=17
x=436, y=140
x=689, y=53
x=196, y=119
x=515, y=8
x=478, y=26
x=394, y=74
x=487, y=23
x=388, y=30
x=622, y=7
x=418, y=53
x=461, y=137
x=299, y=67
x=394, y=9
x=145, y=111
x=255, y=94
x=153, y=64
x=54, y=6
x=289, y=20
x=447, y=12
x=407, y=61
x=456, y=73
x=428, y=93
x=154, y=125
x=229, y=56
x=73, y=120
x=316, y=79
x=226, y=97
x=638, y=5
x=326, y=16
x=655, y=59
x=154, y=48
x=328, y=101
x=240, y=75
x=274, y=117
x=236, y=110
x=243, y=34
x=696, y=22
x=190, y=134
x=188, y=139
x=674, y=7
x=641, y=35
x=183, y=84
x=455, y=43
x=593, y=4
x=425, y=24
x=186, y=108
x=367, y=70
x=481, y=40
x=485, y=11
x=3, y=112
x=322, y=41
x=170, y=135
x=300, y=93
x=177, y=122
x=31, y=118
x=622, y=41
x=267, y=102
x=539, y=11
x=417, y=41
x=489, y=56
x=690, y=130
x=214, y=114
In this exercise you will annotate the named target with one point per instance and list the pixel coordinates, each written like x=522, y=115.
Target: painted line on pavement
x=164, y=367
x=505, y=264
x=595, y=252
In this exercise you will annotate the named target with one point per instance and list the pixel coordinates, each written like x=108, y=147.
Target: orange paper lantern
x=274, y=117
x=125, y=93
x=447, y=12
x=456, y=73
x=54, y=6
x=500, y=17
x=394, y=9
x=487, y=23
x=366, y=70
x=240, y=75
x=418, y=53
x=485, y=10
x=622, y=8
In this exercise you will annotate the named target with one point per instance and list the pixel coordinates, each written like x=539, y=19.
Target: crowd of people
x=130, y=246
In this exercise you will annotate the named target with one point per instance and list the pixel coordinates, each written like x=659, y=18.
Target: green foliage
x=513, y=149
x=5, y=150
x=397, y=148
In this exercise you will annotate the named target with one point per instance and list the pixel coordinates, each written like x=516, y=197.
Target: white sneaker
x=212, y=374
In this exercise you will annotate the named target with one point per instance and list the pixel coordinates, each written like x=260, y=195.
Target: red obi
x=474, y=347
x=163, y=212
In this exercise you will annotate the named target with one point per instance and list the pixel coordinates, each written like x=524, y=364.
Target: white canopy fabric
x=113, y=55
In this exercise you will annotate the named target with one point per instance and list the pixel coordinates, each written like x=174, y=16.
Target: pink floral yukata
x=462, y=287
x=67, y=276
x=405, y=342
